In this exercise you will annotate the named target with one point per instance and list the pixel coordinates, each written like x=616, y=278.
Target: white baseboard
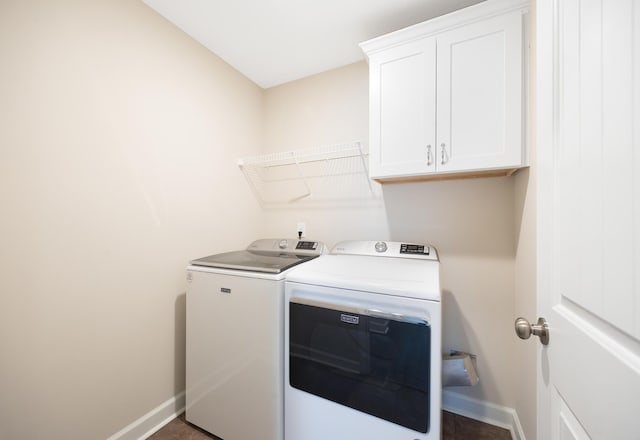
x=153, y=420
x=486, y=412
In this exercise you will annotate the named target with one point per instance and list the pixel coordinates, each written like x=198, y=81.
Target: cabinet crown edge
x=442, y=23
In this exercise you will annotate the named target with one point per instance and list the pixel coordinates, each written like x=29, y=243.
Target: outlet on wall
x=301, y=228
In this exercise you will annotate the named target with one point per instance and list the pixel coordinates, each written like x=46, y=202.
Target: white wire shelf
x=328, y=173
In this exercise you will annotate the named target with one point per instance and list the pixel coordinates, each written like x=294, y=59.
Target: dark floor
x=454, y=427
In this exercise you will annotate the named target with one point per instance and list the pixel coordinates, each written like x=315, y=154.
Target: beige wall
x=118, y=144
x=470, y=221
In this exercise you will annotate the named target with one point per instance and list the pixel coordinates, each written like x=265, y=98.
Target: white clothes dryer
x=363, y=344
x=235, y=338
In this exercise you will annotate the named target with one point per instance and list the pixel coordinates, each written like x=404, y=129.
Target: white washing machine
x=363, y=344
x=235, y=338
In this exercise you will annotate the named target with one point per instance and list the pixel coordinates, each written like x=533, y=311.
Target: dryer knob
x=282, y=244
x=381, y=246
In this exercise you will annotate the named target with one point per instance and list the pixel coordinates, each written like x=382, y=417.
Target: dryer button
x=381, y=246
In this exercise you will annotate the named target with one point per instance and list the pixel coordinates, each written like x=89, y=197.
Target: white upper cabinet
x=403, y=112
x=447, y=95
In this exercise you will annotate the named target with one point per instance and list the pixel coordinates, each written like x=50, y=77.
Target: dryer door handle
x=371, y=312
x=375, y=313
x=393, y=316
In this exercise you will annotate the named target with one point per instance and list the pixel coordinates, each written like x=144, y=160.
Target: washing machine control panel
x=307, y=245
x=284, y=245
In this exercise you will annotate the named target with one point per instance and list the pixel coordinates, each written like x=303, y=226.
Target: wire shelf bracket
x=329, y=173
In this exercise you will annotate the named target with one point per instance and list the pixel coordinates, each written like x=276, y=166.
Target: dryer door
x=369, y=359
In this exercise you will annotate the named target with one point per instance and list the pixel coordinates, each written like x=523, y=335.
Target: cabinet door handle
x=429, y=161
x=443, y=151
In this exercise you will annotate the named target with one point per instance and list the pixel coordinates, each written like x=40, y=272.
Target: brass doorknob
x=524, y=329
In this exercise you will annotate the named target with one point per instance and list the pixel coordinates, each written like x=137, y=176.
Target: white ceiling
x=276, y=41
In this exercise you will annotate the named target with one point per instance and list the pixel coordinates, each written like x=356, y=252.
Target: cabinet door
x=403, y=106
x=480, y=92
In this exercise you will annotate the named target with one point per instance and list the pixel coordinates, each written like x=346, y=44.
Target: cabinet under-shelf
x=450, y=176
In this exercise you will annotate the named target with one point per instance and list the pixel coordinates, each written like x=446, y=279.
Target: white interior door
x=589, y=218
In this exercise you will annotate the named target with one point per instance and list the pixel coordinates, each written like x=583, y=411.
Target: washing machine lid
x=265, y=256
x=405, y=277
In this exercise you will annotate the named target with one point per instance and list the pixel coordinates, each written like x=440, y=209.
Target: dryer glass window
x=372, y=364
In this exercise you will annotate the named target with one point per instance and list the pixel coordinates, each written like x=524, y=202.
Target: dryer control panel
x=386, y=249
x=414, y=249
